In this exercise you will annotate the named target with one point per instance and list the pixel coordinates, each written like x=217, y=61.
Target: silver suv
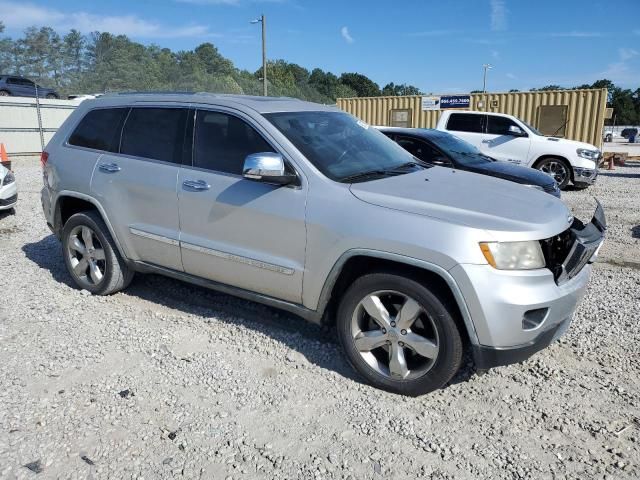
x=304, y=207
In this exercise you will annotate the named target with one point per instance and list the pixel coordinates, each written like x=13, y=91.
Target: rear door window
x=499, y=125
x=223, y=141
x=466, y=122
x=155, y=133
x=100, y=129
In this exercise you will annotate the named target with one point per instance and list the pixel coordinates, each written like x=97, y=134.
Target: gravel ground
x=167, y=380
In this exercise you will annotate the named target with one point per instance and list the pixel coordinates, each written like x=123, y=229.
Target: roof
x=259, y=104
x=420, y=132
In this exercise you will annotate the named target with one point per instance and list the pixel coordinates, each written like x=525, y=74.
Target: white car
x=507, y=138
x=8, y=189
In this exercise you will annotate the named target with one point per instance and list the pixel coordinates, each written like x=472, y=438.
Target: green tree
x=361, y=84
x=391, y=89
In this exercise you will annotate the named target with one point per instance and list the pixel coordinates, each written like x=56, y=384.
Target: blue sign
x=455, y=101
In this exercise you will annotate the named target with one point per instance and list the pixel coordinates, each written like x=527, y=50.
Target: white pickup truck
x=507, y=138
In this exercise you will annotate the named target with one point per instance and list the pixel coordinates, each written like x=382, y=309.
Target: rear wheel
x=608, y=138
x=51, y=95
x=556, y=168
x=4, y=93
x=398, y=335
x=91, y=255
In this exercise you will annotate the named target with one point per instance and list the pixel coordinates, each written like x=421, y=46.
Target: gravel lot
x=168, y=380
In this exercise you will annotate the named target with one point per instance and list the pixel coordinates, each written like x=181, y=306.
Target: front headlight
x=8, y=178
x=513, y=255
x=588, y=154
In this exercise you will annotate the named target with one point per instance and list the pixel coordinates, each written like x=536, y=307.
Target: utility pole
x=263, y=21
x=486, y=66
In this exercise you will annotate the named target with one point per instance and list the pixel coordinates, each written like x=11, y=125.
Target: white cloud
x=627, y=54
x=344, y=31
x=498, y=15
x=619, y=72
x=22, y=15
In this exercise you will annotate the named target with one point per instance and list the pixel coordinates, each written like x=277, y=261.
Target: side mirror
x=516, y=131
x=267, y=167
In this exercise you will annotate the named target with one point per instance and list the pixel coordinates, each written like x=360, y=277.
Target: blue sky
x=439, y=46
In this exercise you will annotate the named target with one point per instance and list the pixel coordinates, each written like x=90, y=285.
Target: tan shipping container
x=574, y=114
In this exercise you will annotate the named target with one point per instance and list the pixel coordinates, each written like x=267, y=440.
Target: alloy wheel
x=395, y=335
x=86, y=256
x=556, y=170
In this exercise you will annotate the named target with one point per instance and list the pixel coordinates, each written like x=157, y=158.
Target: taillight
x=44, y=156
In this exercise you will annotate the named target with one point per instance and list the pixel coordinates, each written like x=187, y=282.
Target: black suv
x=15, y=86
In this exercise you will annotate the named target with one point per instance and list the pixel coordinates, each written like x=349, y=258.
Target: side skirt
x=300, y=310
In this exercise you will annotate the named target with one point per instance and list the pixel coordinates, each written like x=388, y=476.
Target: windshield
x=340, y=145
x=533, y=130
x=463, y=152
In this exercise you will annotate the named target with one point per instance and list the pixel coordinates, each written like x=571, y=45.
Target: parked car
x=15, y=86
x=507, y=138
x=303, y=207
x=8, y=189
x=442, y=148
x=629, y=132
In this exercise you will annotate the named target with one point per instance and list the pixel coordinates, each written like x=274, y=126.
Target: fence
x=19, y=126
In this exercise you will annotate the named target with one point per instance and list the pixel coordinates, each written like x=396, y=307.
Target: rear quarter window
x=100, y=129
x=155, y=133
x=465, y=122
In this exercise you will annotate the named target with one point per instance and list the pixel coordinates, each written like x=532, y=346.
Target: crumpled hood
x=505, y=209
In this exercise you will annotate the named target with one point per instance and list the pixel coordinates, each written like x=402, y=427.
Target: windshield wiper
x=368, y=174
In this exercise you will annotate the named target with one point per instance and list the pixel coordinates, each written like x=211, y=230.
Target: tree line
x=74, y=63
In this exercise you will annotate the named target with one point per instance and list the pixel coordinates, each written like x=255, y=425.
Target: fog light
x=533, y=318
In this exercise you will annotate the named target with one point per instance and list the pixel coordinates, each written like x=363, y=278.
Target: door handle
x=109, y=167
x=197, y=185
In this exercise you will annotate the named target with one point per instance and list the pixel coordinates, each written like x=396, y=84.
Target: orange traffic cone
x=612, y=163
x=4, y=159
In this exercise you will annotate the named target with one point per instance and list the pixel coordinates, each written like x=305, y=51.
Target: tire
x=581, y=186
x=608, y=138
x=434, y=325
x=557, y=168
x=51, y=96
x=114, y=274
x=4, y=93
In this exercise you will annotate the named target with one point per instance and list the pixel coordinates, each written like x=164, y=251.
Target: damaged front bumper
x=521, y=313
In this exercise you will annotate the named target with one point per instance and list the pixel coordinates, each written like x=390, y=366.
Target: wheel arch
x=555, y=157
x=68, y=203
x=358, y=262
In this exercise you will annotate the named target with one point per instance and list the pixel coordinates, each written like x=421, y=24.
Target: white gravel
x=168, y=380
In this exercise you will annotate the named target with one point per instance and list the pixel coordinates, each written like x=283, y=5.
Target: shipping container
x=573, y=114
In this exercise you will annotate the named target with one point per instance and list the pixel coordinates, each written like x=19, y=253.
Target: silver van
x=306, y=208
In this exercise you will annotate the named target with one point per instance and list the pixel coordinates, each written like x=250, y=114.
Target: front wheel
x=398, y=334
x=91, y=255
x=556, y=168
x=51, y=96
x=4, y=93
